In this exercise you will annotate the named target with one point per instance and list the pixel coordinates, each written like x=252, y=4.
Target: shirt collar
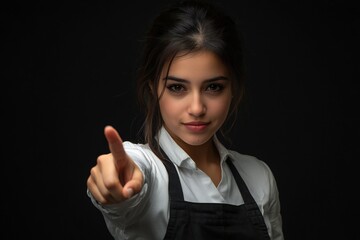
x=223, y=152
x=179, y=156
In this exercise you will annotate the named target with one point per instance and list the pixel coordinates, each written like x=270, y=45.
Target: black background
x=69, y=68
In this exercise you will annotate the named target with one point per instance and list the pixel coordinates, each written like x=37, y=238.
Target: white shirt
x=146, y=215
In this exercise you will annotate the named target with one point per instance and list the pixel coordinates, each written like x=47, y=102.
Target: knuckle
x=103, y=158
x=89, y=182
x=111, y=183
x=100, y=159
x=93, y=171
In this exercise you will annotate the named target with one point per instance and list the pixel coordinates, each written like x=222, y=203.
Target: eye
x=176, y=88
x=215, y=87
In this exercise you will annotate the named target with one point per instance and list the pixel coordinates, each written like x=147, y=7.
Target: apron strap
x=175, y=189
x=245, y=193
x=252, y=208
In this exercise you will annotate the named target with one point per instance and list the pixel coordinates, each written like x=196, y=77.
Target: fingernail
x=130, y=192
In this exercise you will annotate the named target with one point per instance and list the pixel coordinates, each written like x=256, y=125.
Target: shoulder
x=248, y=163
x=138, y=149
x=255, y=172
x=144, y=157
x=141, y=154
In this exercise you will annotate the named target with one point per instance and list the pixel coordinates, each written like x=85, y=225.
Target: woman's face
x=196, y=99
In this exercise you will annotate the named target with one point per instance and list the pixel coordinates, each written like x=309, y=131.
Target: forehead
x=196, y=65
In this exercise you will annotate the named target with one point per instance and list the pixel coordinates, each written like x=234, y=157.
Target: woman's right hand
x=115, y=177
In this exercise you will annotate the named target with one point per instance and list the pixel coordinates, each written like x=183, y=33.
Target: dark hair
x=186, y=27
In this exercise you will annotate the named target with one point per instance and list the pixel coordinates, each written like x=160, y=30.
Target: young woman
x=183, y=183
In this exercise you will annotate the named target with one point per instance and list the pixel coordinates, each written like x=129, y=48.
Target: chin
x=196, y=141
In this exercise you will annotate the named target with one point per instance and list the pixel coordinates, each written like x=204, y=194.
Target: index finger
x=115, y=144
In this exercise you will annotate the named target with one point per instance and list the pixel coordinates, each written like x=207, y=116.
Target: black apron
x=208, y=221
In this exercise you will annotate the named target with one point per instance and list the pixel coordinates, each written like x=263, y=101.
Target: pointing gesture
x=115, y=177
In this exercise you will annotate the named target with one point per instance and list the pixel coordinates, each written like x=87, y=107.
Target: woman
x=183, y=183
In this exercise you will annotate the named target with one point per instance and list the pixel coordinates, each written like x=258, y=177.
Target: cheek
x=167, y=107
x=220, y=107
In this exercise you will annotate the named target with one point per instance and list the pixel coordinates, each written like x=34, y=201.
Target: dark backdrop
x=69, y=70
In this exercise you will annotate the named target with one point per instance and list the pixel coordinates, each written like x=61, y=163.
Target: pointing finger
x=115, y=146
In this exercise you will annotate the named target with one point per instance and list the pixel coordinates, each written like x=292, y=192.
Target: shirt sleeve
x=272, y=208
x=118, y=216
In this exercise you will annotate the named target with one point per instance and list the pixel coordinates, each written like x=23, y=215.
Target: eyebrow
x=187, y=81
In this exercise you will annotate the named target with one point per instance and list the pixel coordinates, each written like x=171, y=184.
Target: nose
x=197, y=107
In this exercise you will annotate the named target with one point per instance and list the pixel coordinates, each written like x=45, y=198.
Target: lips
x=196, y=126
x=196, y=123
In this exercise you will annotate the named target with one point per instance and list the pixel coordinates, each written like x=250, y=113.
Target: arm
x=273, y=209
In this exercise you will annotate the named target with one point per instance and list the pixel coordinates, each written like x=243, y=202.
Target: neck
x=201, y=154
x=206, y=158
